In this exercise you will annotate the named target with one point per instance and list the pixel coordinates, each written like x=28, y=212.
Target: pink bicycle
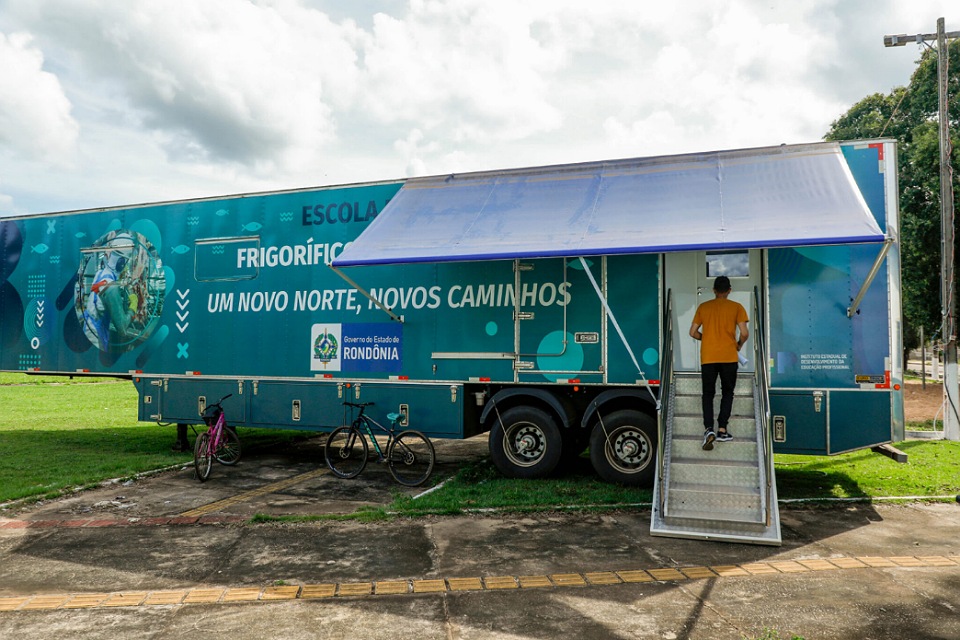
x=219, y=442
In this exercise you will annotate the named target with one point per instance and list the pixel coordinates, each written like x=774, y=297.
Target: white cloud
x=217, y=80
x=35, y=119
x=183, y=98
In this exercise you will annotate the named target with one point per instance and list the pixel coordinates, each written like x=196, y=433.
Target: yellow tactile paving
x=500, y=582
x=11, y=604
x=254, y=493
x=86, y=601
x=818, y=565
x=602, y=577
x=789, y=566
x=242, y=594
x=465, y=584
x=355, y=589
x=391, y=588
x=285, y=592
x=126, y=599
x=666, y=574
x=45, y=602
x=165, y=597
x=635, y=576
x=49, y=602
x=848, y=563
x=318, y=591
x=729, y=571
x=697, y=573
x=568, y=580
x=758, y=568
x=203, y=596
x=533, y=582
x=872, y=561
x=429, y=586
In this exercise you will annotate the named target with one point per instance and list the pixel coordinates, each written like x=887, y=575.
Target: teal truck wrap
x=195, y=299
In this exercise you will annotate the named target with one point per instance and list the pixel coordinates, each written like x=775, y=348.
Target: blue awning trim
x=787, y=196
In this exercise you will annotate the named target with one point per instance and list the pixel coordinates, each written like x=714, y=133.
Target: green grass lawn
x=57, y=434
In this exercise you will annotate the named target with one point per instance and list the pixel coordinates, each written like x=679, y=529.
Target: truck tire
x=626, y=451
x=525, y=443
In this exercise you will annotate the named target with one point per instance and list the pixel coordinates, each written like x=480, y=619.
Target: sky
x=113, y=102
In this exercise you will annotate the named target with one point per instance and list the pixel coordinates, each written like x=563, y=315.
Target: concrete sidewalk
x=122, y=562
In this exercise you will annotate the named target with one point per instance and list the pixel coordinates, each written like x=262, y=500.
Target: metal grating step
x=741, y=427
x=689, y=384
x=714, y=504
x=715, y=474
x=720, y=494
x=690, y=447
x=691, y=405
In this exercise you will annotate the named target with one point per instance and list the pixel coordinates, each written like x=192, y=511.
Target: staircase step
x=689, y=384
x=739, y=426
x=713, y=504
x=690, y=447
x=716, y=494
x=692, y=405
x=735, y=475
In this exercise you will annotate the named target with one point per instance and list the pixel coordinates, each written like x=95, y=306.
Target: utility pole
x=951, y=385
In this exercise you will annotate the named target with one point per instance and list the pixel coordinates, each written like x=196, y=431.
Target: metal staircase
x=728, y=493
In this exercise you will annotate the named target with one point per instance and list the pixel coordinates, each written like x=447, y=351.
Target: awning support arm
x=874, y=270
x=616, y=325
x=367, y=295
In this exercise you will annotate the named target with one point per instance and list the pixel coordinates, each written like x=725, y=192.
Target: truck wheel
x=627, y=452
x=525, y=443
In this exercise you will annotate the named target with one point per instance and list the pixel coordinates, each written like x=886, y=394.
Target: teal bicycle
x=408, y=454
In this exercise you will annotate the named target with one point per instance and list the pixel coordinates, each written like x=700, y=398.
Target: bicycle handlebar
x=217, y=403
x=358, y=405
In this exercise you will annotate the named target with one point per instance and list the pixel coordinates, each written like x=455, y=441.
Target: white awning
x=786, y=196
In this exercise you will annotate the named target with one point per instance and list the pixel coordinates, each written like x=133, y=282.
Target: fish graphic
x=252, y=226
x=39, y=248
x=180, y=249
x=81, y=234
x=223, y=212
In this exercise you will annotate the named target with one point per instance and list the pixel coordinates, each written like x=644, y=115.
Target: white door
x=689, y=277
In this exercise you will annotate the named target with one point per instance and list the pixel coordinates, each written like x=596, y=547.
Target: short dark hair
x=721, y=284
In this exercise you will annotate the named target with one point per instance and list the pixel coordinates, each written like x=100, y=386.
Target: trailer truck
x=545, y=306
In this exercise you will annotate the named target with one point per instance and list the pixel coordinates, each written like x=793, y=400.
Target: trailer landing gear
x=182, y=444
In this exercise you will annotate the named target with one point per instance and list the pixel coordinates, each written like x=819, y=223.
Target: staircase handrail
x=762, y=380
x=666, y=384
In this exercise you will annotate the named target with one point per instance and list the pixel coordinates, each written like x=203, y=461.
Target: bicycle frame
x=209, y=443
x=362, y=423
x=408, y=454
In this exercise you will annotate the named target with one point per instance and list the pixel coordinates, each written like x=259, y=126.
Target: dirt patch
x=921, y=404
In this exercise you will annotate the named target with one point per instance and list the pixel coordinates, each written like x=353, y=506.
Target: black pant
x=727, y=371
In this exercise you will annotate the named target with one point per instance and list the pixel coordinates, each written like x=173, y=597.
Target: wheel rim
x=524, y=443
x=628, y=449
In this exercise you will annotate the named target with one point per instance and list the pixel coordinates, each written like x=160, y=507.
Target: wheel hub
x=630, y=447
x=529, y=443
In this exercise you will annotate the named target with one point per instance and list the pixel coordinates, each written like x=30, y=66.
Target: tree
x=910, y=115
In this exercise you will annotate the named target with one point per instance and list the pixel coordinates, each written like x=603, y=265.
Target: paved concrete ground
x=123, y=561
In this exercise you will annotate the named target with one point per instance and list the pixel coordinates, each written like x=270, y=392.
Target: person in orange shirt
x=716, y=324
